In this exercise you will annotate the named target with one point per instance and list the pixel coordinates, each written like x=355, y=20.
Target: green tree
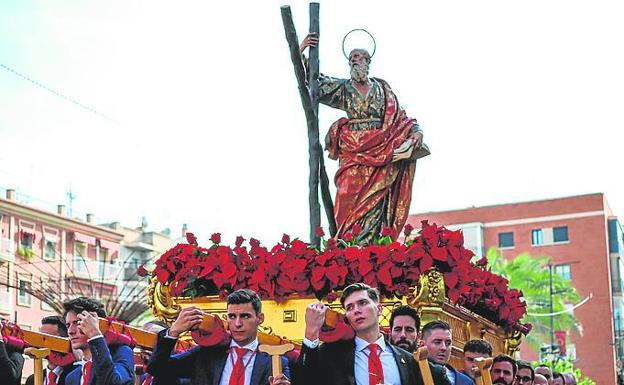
x=567, y=366
x=532, y=276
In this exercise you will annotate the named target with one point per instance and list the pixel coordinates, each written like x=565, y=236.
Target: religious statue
x=376, y=145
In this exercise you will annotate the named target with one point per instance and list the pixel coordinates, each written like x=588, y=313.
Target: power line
x=62, y=96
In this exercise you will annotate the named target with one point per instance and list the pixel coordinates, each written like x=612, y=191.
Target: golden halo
x=372, y=39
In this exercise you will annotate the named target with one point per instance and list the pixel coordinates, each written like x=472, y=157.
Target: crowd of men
x=371, y=358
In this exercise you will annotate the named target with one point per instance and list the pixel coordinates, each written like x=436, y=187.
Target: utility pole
x=552, y=317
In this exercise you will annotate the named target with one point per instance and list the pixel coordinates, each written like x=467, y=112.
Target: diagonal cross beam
x=309, y=100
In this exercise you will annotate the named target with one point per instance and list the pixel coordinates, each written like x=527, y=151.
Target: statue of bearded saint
x=376, y=146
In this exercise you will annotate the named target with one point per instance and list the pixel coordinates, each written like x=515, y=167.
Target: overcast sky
x=199, y=119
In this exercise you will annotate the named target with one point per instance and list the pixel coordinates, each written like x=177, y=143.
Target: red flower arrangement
x=295, y=267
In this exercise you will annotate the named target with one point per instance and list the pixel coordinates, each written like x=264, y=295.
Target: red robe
x=367, y=179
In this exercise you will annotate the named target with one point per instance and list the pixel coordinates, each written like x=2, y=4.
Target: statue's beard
x=359, y=72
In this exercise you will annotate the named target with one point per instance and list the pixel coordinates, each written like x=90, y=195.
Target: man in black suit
x=366, y=360
x=240, y=363
x=438, y=340
x=104, y=365
x=53, y=374
x=11, y=364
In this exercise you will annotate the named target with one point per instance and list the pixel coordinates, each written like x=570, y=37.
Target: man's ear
x=260, y=318
x=379, y=309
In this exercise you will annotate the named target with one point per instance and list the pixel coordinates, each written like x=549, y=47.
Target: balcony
x=7, y=250
x=95, y=270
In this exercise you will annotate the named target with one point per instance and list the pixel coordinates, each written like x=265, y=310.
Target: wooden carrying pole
x=483, y=376
x=38, y=354
x=276, y=352
x=420, y=356
x=42, y=340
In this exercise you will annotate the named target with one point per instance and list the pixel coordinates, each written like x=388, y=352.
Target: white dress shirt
x=248, y=360
x=389, y=364
x=57, y=371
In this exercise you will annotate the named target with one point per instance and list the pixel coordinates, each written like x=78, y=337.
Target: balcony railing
x=95, y=270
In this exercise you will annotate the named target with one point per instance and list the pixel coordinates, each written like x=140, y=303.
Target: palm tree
x=532, y=276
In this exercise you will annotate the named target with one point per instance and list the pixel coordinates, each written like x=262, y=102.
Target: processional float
x=430, y=271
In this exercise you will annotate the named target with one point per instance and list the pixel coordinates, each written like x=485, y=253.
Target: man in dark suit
x=53, y=374
x=404, y=327
x=365, y=360
x=240, y=363
x=11, y=364
x=439, y=340
x=474, y=349
x=103, y=365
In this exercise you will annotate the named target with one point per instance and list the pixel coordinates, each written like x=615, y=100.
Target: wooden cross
x=309, y=99
x=276, y=352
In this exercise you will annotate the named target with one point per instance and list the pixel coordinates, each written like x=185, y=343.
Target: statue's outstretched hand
x=404, y=151
x=310, y=41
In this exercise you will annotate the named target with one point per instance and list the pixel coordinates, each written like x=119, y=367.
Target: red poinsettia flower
x=386, y=231
x=142, y=271
x=319, y=232
x=348, y=237
x=356, y=229
x=407, y=230
x=216, y=238
x=239, y=241
x=191, y=239
x=286, y=238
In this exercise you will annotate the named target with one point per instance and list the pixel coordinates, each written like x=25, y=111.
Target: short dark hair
x=405, y=310
x=372, y=292
x=559, y=375
x=506, y=358
x=478, y=346
x=437, y=324
x=241, y=296
x=58, y=321
x=525, y=365
x=80, y=304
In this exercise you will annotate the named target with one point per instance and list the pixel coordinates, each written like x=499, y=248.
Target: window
x=27, y=240
x=23, y=296
x=537, y=238
x=560, y=234
x=505, y=240
x=564, y=271
x=49, y=251
x=80, y=250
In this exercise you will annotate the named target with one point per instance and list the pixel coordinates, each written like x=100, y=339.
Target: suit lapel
x=349, y=363
x=219, y=364
x=261, y=365
x=401, y=364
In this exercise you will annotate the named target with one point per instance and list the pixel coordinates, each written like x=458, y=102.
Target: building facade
x=47, y=258
x=584, y=240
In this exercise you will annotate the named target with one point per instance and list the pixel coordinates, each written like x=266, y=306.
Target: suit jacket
x=114, y=366
x=164, y=381
x=60, y=381
x=203, y=365
x=11, y=365
x=461, y=378
x=334, y=363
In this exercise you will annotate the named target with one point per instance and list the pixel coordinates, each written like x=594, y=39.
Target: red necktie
x=86, y=373
x=148, y=379
x=375, y=370
x=51, y=377
x=238, y=372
